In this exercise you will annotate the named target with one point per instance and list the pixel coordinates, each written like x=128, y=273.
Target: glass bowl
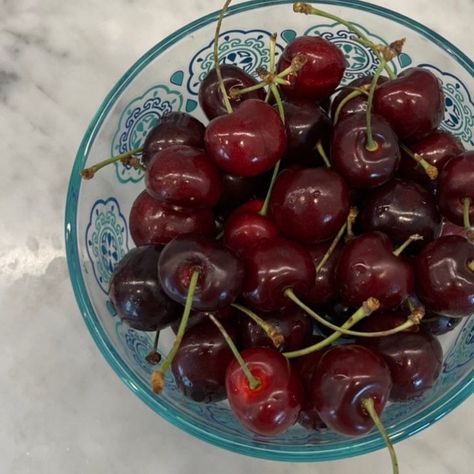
x=166, y=78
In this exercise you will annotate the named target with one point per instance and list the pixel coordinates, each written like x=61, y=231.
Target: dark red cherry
x=337, y=312
x=210, y=97
x=448, y=228
x=414, y=360
x=344, y=377
x=438, y=325
x=200, y=364
x=413, y=103
x=154, y=222
x=274, y=405
x=367, y=267
x=309, y=204
x=437, y=149
x=247, y=142
x=198, y=317
x=383, y=321
x=456, y=182
x=322, y=72
x=400, y=209
x=136, y=292
x=357, y=165
x=445, y=276
x=271, y=267
x=184, y=176
x=292, y=323
x=236, y=190
x=175, y=128
x=220, y=272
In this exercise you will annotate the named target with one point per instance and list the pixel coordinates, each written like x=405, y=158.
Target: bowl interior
x=167, y=78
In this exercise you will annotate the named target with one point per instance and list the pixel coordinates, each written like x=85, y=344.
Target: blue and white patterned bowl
x=166, y=78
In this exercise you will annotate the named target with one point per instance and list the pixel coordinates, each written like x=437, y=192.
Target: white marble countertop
x=62, y=408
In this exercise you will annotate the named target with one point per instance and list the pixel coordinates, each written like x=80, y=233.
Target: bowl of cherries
x=270, y=228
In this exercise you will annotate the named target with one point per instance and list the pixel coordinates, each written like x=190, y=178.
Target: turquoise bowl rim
x=343, y=449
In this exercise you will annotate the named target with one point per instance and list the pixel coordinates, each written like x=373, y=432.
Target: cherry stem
x=466, y=220
x=272, y=53
x=125, y=158
x=154, y=357
x=367, y=308
x=352, y=95
x=235, y=91
x=413, y=319
x=368, y=406
x=429, y=169
x=225, y=97
x=407, y=242
x=307, y=9
x=371, y=144
x=270, y=330
x=351, y=217
x=470, y=265
x=322, y=153
x=252, y=381
x=158, y=376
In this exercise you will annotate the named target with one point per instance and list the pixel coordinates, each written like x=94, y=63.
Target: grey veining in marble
x=62, y=409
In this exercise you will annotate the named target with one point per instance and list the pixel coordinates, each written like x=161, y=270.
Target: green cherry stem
x=407, y=242
x=430, y=170
x=307, y=9
x=225, y=97
x=351, y=217
x=125, y=158
x=368, y=406
x=371, y=144
x=352, y=95
x=252, y=381
x=158, y=376
x=470, y=265
x=322, y=153
x=367, y=308
x=466, y=220
x=272, y=332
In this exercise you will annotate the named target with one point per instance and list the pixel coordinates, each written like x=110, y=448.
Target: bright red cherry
x=309, y=204
x=248, y=141
x=274, y=405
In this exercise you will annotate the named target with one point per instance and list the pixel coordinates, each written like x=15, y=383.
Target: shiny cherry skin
x=324, y=288
x=273, y=406
x=309, y=204
x=220, y=272
x=344, y=377
x=154, y=222
x=444, y=281
x=456, y=182
x=357, y=165
x=136, y=292
x=200, y=364
x=438, y=325
x=367, y=267
x=236, y=190
x=413, y=103
x=292, y=323
x=448, y=228
x=357, y=104
x=400, y=209
x=243, y=229
x=272, y=266
x=306, y=122
x=437, y=149
x=247, y=142
x=210, y=97
x=184, y=176
x=320, y=75
x=175, y=128
x=414, y=358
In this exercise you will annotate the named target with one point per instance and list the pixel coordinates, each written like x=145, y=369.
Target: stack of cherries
x=298, y=211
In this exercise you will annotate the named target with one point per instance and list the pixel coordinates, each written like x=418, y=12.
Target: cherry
x=293, y=324
x=438, y=325
x=175, y=128
x=272, y=406
x=445, y=276
x=271, y=268
x=382, y=321
x=368, y=267
x=184, y=176
x=413, y=103
x=414, y=357
x=237, y=189
x=200, y=363
x=346, y=376
x=448, y=228
x=198, y=317
x=248, y=141
x=309, y=204
x=401, y=209
x=320, y=75
x=437, y=148
x=336, y=313
x=210, y=97
x=136, y=292
x=456, y=183
x=154, y=222
x=220, y=272
x=360, y=167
